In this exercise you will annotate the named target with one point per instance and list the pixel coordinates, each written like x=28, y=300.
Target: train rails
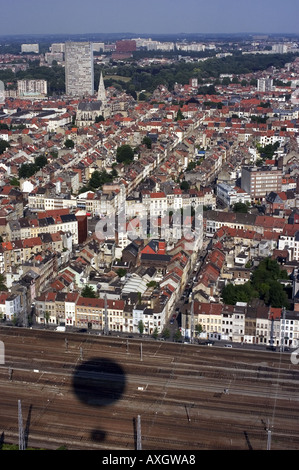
x=85, y=392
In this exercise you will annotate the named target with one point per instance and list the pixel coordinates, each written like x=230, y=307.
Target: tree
x=69, y=144
x=179, y=115
x=184, y=185
x=99, y=119
x=147, y=141
x=152, y=284
x=2, y=283
x=240, y=207
x=121, y=272
x=40, y=161
x=27, y=170
x=125, y=154
x=3, y=145
x=14, y=181
x=140, y=327
x=155, y=333
x=89, y=292
x=264, y=285
x=177, y=335
x=165, y=333
x=198, y=328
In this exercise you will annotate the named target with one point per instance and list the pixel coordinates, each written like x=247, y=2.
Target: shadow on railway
x=27, y=426
x=97, y=383
x=247, y=441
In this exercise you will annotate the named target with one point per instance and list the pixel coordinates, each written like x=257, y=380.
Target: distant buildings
x=79, y=71
x=30, y=48
x=265, y=84
x=32, y=88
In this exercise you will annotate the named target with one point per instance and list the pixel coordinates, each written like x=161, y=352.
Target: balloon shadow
x=97, y=383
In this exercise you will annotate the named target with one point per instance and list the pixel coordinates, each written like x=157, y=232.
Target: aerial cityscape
x=149, y=228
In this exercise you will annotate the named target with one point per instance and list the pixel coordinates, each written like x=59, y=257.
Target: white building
x=30, y=48
x=12, y=306
x=290, y=242
x=79, y=69
x=231, y=195
x=32, y=88
x=265, y=84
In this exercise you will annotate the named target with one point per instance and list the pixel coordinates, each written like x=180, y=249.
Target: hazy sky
x=151, y=16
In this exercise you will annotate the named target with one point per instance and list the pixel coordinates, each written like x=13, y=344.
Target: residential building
x=79, y=69
x=265, y=84
x=260, y=181
x=30, y=48
x=32, y=88
x=231, y=195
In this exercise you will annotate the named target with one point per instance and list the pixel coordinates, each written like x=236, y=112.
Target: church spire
x=101, y=90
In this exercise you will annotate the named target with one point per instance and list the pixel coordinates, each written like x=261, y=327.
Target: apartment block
x=265, y=84
x=30, y=48
x=79, y=69
x=260, y=181
x=32, y=88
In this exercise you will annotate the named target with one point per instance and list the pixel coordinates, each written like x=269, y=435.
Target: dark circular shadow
x=99, y=382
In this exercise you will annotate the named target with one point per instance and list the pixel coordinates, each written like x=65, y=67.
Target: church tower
x=101, y=90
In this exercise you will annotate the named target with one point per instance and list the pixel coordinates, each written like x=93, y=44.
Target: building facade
x=32, y=88
x=260, y=181
x=79, y=69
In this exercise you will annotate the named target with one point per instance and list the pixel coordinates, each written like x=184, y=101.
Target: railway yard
x=86, y=392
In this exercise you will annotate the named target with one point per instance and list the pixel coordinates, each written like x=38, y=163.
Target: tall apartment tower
x=79, y=70
x=265, y=84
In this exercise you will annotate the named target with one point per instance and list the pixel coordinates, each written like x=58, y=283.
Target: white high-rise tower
x=79, y=69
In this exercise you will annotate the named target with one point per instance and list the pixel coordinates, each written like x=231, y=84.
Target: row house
x=47, y=222
x=37, y=202
x=152, y=316
x=45, y=265
x=19, y=251
x=162, y=202
x=56, y=308
x=243, y=324
x=213, y=220
x=97, y=313
x=72, y=310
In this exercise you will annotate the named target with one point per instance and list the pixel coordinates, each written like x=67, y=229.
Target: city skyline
x=158, y=17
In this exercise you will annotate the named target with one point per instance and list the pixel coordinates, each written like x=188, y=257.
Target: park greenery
x=98, y=179
x=264, y=285
x=267, y=152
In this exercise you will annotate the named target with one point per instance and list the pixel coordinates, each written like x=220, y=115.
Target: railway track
x=86, y=393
